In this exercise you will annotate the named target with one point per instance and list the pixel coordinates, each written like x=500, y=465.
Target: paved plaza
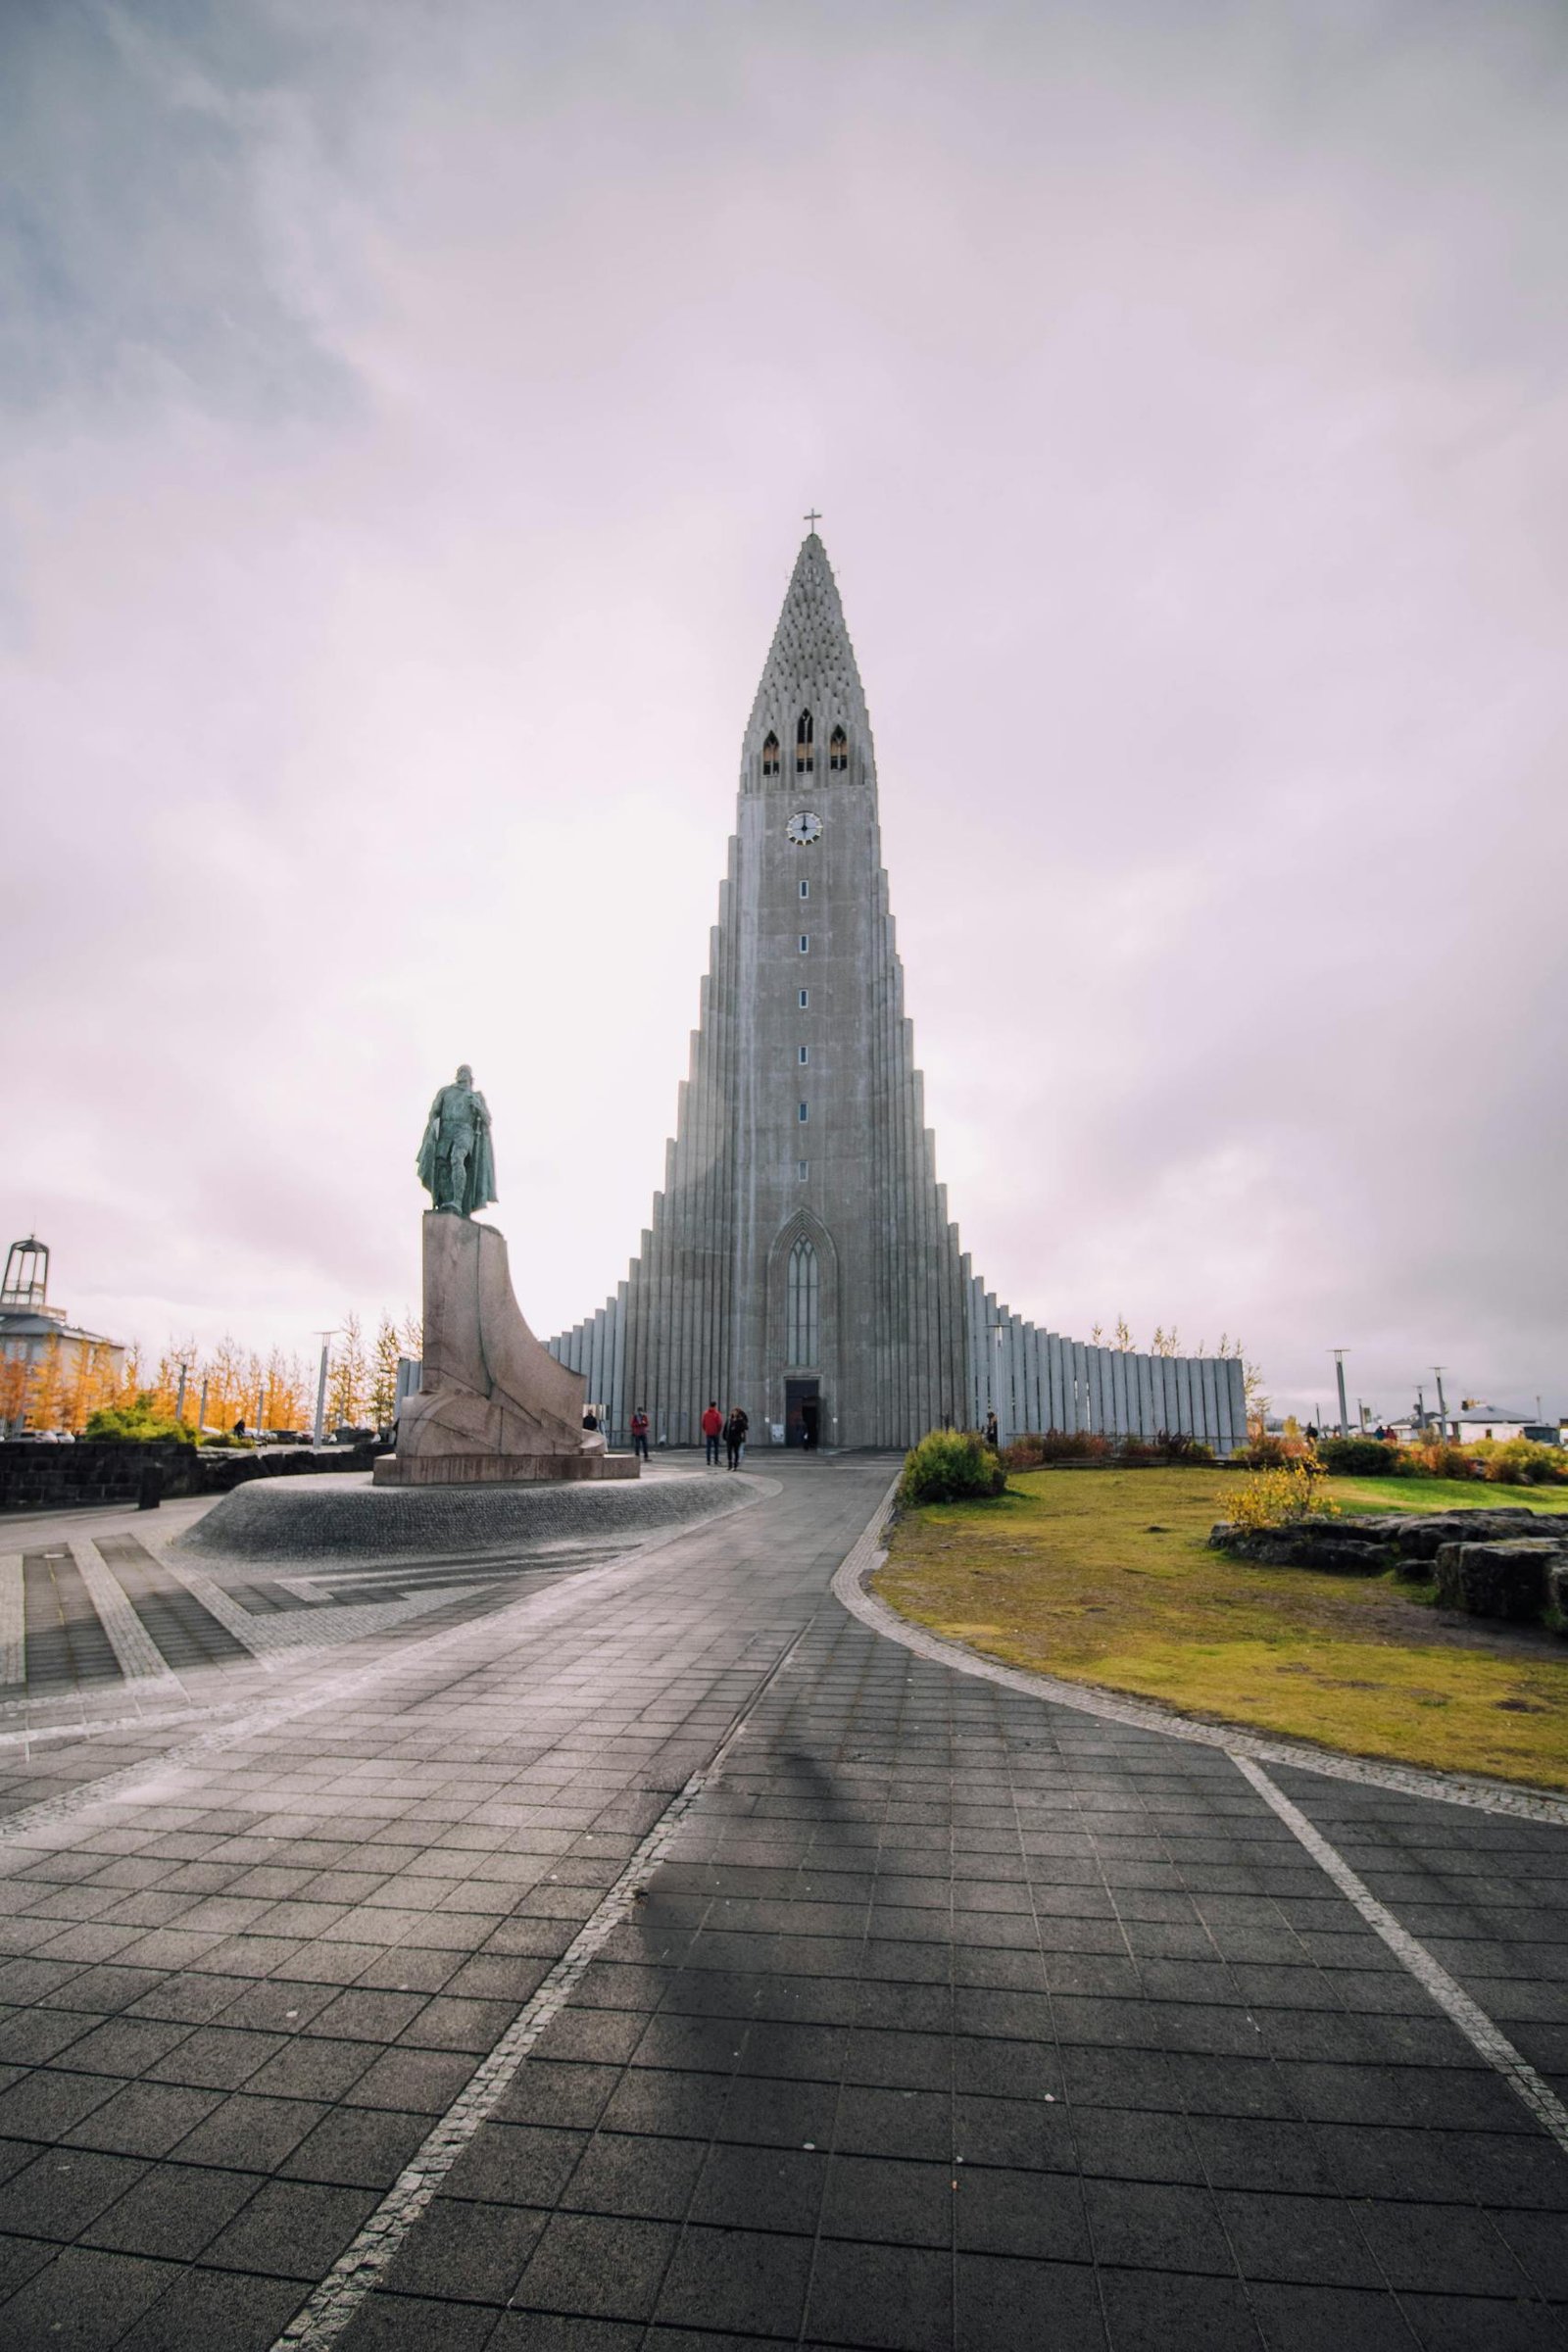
x=619, y=1949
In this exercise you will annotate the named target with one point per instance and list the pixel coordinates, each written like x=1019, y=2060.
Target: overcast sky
x=410, y=411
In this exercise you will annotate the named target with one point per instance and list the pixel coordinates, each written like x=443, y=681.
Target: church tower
x=800, y=1260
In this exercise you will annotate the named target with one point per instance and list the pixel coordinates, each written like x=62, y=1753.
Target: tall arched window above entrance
x=770, y=754
x=838, y=750
x=800, y=1295
x=805, y=757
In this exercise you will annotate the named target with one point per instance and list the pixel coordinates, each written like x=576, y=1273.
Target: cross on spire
x=813, y=519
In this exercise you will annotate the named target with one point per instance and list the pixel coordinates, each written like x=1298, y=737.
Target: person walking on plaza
x=713, y=1430
x=639, y=1432
x=735, y=1429
x=991, y=1431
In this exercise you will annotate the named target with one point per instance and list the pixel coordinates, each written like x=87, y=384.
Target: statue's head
x=465, y=1074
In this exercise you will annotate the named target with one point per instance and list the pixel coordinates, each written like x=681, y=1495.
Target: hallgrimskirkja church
x=800, y=1260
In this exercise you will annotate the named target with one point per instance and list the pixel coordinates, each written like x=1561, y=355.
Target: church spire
x=810, y=668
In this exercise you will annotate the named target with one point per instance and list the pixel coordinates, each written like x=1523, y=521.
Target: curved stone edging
x=849, y=1588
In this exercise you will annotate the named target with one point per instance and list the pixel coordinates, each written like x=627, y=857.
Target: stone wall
x=56, y=1477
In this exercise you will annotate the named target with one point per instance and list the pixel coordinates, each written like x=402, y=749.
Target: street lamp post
x=1000, y=1388
x=1339, y=1354
x=326, y=1337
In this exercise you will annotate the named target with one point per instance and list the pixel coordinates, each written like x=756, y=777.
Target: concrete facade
x=801, y=1247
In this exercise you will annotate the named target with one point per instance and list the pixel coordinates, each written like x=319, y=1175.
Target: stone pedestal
x=494, y=1406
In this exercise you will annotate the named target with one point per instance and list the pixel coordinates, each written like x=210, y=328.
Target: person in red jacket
x=713, y=1430
x=639, y=1432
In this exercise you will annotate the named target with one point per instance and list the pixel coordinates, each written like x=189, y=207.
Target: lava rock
x=1497, y=1580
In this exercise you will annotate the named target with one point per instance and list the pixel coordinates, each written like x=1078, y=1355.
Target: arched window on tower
x=838, y=751
x=801, y=1305
x=805, y=757
x=770, y=754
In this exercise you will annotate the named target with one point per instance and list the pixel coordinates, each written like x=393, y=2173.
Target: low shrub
x=1036, y=1449
x=950, y=1465
x=1440, y=1459
x=1175, y=1447
x=1520, y=1462
x=1361, y=1457
x=1271, y=1453
x=1281, y=1496
x=139, y=1423
x=1032, y=1450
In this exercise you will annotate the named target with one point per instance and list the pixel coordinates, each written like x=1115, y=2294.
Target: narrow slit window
x=805, y=890
x=805, y=754
x=803, y=1169
x=838, y=751
x=804, y=1113
x=805, y=1000
x=770, y=754
x=806, y=943
x=800, y=1296
x=805, y=1055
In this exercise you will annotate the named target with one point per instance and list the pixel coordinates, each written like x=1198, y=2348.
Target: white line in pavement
x=141, y=1658
x=1473, y=2022
x=365, y=2261
x=851, y=1586
x=12, y=1620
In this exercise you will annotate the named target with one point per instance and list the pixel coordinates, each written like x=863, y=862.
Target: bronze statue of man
x=457, y=1167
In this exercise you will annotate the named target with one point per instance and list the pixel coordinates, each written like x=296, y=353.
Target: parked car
x=347, y=1436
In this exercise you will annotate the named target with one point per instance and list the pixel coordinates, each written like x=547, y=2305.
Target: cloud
x=409, y=415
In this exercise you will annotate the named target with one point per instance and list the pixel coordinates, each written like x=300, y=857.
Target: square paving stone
x=736, y=2279
x=291, y=2230
x=391, y=2323
x=761, y=2189
x=83, y=2301
x=215, y=2058
x=424, y=2081
x=884, y=2199
x=1001, y=2212
x=895, y=2123
x=515, y=2164
x=1147, y=2226
x=887, y=2298
x=144, y=2119
x=206, y=2311
x=360, y=2148
x=473, y=2253
x=601, y=2267
x=1459, y=2322
x=62, y=2189
x=311, y=2067
x=173, y=2210
x=1329, y=2319
x=631, y=2174
x=1023, y=2306
x=1313, y=2238
x=1156, y=2311
x=45, y=2104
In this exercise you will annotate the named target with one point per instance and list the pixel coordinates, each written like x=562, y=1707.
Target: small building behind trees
x=51, y=1372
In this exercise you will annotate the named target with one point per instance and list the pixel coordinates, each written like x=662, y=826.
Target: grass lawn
x=1105, y=1577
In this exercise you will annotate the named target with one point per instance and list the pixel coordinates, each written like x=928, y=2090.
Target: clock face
x=803, y=827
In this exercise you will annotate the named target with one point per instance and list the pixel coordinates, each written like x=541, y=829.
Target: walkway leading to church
x=450, y=1969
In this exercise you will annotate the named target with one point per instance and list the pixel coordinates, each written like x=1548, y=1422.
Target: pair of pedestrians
x=732, y=1430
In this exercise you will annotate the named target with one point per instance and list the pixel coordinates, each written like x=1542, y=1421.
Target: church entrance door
x=803, y=1412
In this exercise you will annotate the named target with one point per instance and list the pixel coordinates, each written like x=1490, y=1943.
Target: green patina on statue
x=457, y=1166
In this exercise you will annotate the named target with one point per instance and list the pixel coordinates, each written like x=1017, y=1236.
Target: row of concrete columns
x=1037, y=1381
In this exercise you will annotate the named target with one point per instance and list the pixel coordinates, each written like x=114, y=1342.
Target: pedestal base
x=499, y=1469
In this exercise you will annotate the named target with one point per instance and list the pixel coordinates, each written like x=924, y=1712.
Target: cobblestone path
x=664, y=1958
